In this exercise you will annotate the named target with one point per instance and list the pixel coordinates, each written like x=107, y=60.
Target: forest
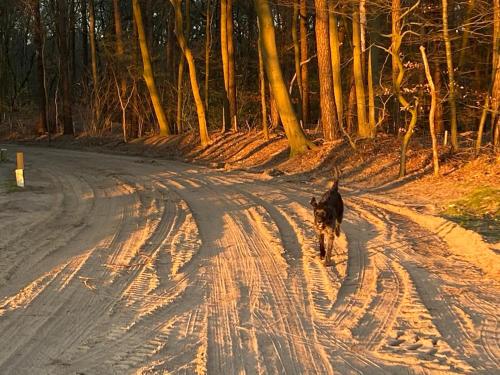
x=324, y=69
x=249, y=187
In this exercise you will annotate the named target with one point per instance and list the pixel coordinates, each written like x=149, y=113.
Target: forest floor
x=142, y=265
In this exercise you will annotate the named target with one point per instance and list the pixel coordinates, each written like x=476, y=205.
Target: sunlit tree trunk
x=362, y=27
x=148, y=71
x=395, y=36
x=208, y=46
x=435, y=156
x=451, y=78
x=200, y=109
x=336, y=68
x=364, y=130
x=327, y=101
x=296, y=53
x=226, y=120
x=371, y=96
x=296, y=137
x=304, y=73
x=262, y=80
x=495, y=100
x=273, y=107
x=231, y=67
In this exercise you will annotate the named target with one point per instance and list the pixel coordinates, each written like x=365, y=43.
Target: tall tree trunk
x=327, y=101
x=118, y=28
x=296, y=137
x=296, y=54
x=262, y=80
x=466, y=33
x=148, y=23
x=93, y=50
x=38, y=39
x=371, y=95
x=336, y=67
x=170, y=61
x=62, y=41
x=231, y=67
x=364, y=130
x=451, y=78
x=208, y=47
x=180, y=72
x=85, y=36
x=119, y=54
x=148, y=71
x=495, y=100
x=395, y=37
x=438, y=117
x=435, y=156
x=273, y=107
x=200, y=109
x=72, y=40
x=304, y=70
x=226, y=120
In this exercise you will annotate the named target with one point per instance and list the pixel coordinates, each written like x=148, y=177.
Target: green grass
x=9, y=186
x=479, y=211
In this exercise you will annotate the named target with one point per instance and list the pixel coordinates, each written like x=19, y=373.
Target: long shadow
x=255, y=150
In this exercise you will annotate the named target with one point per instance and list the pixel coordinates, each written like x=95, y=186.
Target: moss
x=479, y=211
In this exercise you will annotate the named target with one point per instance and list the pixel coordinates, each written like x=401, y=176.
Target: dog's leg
x=322, y=245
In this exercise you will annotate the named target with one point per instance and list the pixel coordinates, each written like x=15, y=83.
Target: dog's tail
x=336, y=178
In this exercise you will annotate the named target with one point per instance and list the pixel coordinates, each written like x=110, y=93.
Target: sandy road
x=119, y=265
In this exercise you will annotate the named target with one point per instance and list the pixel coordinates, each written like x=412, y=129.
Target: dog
x=328, y=214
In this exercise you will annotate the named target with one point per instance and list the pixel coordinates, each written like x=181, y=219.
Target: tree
x=93, y=49
x=296, y=137
x=336, y=66
x=148, y=71
x=329, y=118
x=451, y=78
x=435, y=157
x=304, y=73
x=200, y=109
x=38, y=40
x=62, y=42
x=364, y=130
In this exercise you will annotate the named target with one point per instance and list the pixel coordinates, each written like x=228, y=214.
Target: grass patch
x=9, y=186
x=479, y=211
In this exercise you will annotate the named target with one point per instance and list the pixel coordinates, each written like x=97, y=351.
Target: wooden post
x=20, y=160
x=20, y=169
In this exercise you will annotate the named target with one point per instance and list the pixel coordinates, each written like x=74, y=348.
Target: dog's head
x=320, y=215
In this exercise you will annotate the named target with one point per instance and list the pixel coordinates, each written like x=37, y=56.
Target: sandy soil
x=127, y=265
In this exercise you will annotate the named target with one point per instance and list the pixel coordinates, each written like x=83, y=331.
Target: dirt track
x=116, y=265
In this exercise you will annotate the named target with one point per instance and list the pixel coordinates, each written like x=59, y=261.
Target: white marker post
x=20, y=169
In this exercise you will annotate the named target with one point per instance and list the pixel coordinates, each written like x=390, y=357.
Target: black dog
x=328, y=215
